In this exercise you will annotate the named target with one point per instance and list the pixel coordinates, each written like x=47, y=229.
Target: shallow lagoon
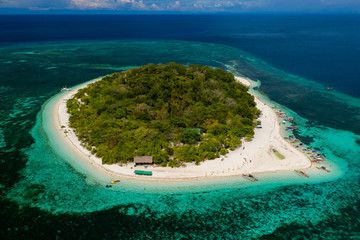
x=63, y=173
x=54, y=182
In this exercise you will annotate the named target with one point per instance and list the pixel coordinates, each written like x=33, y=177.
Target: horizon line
x=115, y=12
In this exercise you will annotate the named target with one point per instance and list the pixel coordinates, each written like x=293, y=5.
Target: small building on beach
x=143, y=160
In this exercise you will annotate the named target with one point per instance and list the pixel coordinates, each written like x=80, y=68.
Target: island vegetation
x=175, y=113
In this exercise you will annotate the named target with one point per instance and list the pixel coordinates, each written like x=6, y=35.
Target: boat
x=250, y=177
x=302, y=173
x=116, y=181
x=108, y=186
x=318, y=160
x=65, y=89
x=139, y=172
x=323, y=168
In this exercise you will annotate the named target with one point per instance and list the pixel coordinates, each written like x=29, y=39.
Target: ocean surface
x=46, y=193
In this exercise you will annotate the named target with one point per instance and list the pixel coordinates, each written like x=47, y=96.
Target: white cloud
x=139, y=5
x=111, y=4
x=155, y=7
x=90, y=4
x=187, y=5
x=174, y=5
x=33, y=4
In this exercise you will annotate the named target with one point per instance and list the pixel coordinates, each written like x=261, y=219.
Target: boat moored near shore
x=250, y=177
x=65, y=89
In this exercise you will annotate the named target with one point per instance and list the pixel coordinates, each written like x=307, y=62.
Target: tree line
x=157, y=110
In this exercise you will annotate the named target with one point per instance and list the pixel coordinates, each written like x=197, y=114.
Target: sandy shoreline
x=252, y=157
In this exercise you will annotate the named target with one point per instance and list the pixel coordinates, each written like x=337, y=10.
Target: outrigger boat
x=323, y=168
x=116, y=181
x=108, y=186
x=302, y=173
x=65, y=89
x=250, y=177
x=139, y=172
x=318, y=160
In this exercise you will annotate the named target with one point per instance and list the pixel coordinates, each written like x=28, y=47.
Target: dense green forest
x=160, y=111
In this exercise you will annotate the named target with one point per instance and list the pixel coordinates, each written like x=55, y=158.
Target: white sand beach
x=256, y=156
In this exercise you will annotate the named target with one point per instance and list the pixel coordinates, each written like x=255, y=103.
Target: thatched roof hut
x=143, y=160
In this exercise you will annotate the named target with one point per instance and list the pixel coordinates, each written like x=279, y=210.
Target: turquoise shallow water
x=56, y=183
x=70, y=184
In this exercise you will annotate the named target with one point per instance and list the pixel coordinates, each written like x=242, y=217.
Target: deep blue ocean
x=295, y=57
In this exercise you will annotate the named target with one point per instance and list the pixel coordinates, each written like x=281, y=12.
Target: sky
x=164, y=6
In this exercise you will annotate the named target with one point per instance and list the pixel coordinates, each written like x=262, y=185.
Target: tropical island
x=177, y=114
x=185, y=122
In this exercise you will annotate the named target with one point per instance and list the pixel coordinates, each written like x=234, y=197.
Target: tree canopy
x=157, y=110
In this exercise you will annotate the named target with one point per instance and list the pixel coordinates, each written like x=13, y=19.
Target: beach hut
x=143, y=160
